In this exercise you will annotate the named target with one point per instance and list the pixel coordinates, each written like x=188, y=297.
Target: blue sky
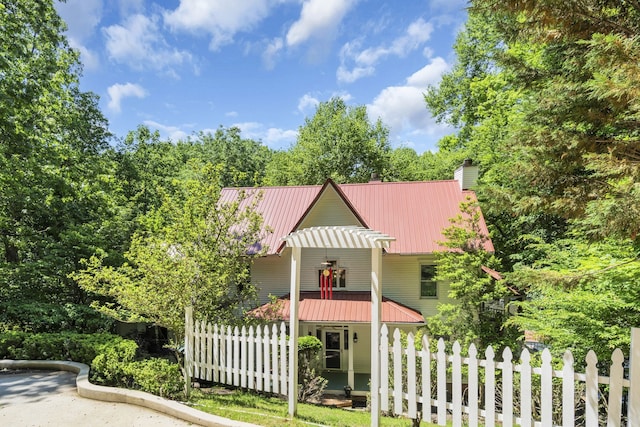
x=185, y=66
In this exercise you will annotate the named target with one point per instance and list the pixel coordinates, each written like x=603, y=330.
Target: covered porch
x=343, y=325
x=346, y=237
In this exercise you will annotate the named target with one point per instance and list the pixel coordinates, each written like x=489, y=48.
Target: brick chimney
x=466, y=174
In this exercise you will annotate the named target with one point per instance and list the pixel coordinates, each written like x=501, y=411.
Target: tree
x=192, y=250
x=54, y=181
x=461, y=266
x=405, y=165
x=244, y=160
x=555, y=115
x=338, y=142
x=580, y=136
x=583, y=296
x=482, y=97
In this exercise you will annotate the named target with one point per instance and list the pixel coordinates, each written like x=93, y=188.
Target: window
x=428, y=286
x=339, y=275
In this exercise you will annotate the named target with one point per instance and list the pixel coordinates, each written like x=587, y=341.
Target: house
x=335, y=225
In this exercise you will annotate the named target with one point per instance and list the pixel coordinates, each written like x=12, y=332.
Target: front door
x=333, y=349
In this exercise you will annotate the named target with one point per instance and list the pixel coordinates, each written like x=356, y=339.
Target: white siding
x=329, y=210
x=271, y=274
x=401, y=283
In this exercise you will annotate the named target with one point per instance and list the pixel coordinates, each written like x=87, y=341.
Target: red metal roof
x=415, y=213
x=344, y=307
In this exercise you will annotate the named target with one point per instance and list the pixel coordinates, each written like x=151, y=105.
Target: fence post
x=188, y=330
x=634, y=379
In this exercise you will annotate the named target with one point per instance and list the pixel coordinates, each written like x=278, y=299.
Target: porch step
x=335, y=401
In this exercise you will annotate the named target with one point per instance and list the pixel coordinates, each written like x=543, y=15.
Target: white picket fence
x=466, y=390
x=499, y=385
x=251, y=358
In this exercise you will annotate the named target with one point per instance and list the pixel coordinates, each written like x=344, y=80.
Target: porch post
x=350, y=375
x=376, y=311
x=294, y=300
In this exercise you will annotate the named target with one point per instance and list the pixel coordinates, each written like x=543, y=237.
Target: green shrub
x=157, y=376
x=311, y=386
x=58, y=346
x=109, y=367
x=309, y=344
x=45, y=317
x=113, y=359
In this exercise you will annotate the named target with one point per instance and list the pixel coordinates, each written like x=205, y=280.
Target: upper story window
x=428, y=286
x=339, y=274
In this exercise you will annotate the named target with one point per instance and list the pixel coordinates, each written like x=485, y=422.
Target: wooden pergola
x=338, y=237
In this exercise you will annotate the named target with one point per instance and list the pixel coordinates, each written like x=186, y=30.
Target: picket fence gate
x=256, y=359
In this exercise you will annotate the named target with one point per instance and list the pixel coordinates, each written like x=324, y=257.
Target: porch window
x=428, y=286
x=339, y=275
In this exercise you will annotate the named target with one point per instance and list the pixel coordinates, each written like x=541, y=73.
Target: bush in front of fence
x=118, y=368
x=311, y=385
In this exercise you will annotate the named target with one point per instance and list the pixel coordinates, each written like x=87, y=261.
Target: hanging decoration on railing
x=326, y=284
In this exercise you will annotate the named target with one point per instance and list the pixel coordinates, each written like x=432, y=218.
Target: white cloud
x=174, y=133
x=362, y=62
x=118, y=91
x=272, y=137
x=221, y=19
x=345, y=75
x=276, y=137
x=271, y=52
x=82, y=17
x=403, y=109
x=307, y=103
x=139, y=43
x=346, y=96
x=318, y=19
x=130, y=6
x=89, y=58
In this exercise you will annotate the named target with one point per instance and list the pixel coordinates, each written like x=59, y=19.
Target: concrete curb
x=120, y=395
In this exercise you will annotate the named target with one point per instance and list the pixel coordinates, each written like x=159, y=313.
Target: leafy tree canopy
x=460, y=266
x=338, y=142
x=54, y=182
x=582, y=296
x=192, y=250
x=544, y=95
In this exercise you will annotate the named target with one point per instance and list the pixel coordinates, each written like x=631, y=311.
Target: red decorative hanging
x=324, y=283
x=330, y=277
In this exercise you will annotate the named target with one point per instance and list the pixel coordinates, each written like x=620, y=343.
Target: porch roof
x=354, y=306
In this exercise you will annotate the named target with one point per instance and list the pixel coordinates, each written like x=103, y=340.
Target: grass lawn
x=272, y=411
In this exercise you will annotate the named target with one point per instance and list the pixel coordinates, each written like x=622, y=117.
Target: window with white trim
x=339, y=274
x=428, y=286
